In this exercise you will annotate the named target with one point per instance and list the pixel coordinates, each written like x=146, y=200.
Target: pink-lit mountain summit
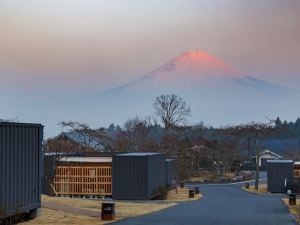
x=195, y=69
x=217, y=92
x=198, y=65
x=186, y=69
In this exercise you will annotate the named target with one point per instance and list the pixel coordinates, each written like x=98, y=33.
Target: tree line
x=196, y=147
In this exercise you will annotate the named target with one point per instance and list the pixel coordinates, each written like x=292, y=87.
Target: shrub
x=163, y=192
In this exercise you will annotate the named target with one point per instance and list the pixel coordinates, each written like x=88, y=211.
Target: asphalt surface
x=222, y=204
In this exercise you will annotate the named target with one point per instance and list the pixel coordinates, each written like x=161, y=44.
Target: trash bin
x=108, y=211
x=181, y=184
x=292, y=199
x=247, y=185
x=191, y=193
x=197, y=190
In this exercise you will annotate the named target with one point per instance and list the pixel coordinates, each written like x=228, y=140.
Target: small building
x=265, y=156
x=20, y=169
x=83, y=176
x=278, y=172
x=138, y=176
x=75, y=141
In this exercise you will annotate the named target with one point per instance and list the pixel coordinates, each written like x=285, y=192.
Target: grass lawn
x=181, y=195
x=124, y=209
x=262, y=189
x=208, y=176
x=294, y=210
x=49, y=216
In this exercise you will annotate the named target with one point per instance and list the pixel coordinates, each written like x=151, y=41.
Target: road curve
x=221, y=205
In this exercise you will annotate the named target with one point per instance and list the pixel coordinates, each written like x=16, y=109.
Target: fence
x=83, y=180
x=297, y=172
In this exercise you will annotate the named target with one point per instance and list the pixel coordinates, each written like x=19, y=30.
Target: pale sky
x=98, y=44
x=51, y=50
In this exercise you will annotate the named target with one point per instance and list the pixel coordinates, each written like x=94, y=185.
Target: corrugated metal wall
x=49, y=174
x=20, y=167
x=277, y=172
x=156, y=173
x=137, y=177
x=129, y=177
x=171, y=175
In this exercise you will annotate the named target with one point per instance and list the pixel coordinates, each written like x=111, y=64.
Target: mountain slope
x=217, y=92
x=188, y=68
x=199, y=69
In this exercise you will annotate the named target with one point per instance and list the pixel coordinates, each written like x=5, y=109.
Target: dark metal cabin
x=49, y=162
x=20, y=168
x=171, y=175
x=137, y=176
x=278, y=171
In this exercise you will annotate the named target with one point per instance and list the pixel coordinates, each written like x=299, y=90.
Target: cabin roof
x=138, y=154
x=267, y=151
x=82, y=139
x=87, y=159
x=280, y=161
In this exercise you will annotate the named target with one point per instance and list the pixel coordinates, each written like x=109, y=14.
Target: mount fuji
x=217, y=93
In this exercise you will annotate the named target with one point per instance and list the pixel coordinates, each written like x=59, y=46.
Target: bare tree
x=137, y=131
x=257, y=132
x=92, y=138
x=172, y=110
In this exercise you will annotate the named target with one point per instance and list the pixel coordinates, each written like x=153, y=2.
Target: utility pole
x=257, y=163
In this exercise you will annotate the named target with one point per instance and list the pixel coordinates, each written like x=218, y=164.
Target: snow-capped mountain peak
x=194, y=65
x=217, y=92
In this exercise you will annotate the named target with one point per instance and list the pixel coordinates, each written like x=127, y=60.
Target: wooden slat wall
x=83, y=180
x=297, y=173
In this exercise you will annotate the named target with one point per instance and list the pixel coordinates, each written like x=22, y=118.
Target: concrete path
x=70, y=209
x=224, y=204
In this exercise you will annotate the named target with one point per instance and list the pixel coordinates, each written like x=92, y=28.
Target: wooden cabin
x=83, y=176
x=296, y=169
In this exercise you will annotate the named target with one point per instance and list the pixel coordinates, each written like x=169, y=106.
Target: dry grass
x=294, y=209
x=208, y=176
x=124, y=209
x=262, y=189
x=49, y=216
x=229, y=174
x=182, y=195
x=197, y=179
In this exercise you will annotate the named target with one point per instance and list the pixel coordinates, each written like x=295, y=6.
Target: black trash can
x=191, y=193
x=292, y=199
x=197, y=190
x=247, y=185
x=108, y=211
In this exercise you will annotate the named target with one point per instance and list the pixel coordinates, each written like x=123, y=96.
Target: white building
x=265, y=156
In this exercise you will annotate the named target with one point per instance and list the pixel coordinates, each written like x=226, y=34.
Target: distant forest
x=196, y=147
x=283, y=137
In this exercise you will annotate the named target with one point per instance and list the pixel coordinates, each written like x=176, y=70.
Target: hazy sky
x=53, y=51
x=94, y=44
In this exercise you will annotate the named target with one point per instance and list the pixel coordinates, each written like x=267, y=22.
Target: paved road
x=221, y=205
